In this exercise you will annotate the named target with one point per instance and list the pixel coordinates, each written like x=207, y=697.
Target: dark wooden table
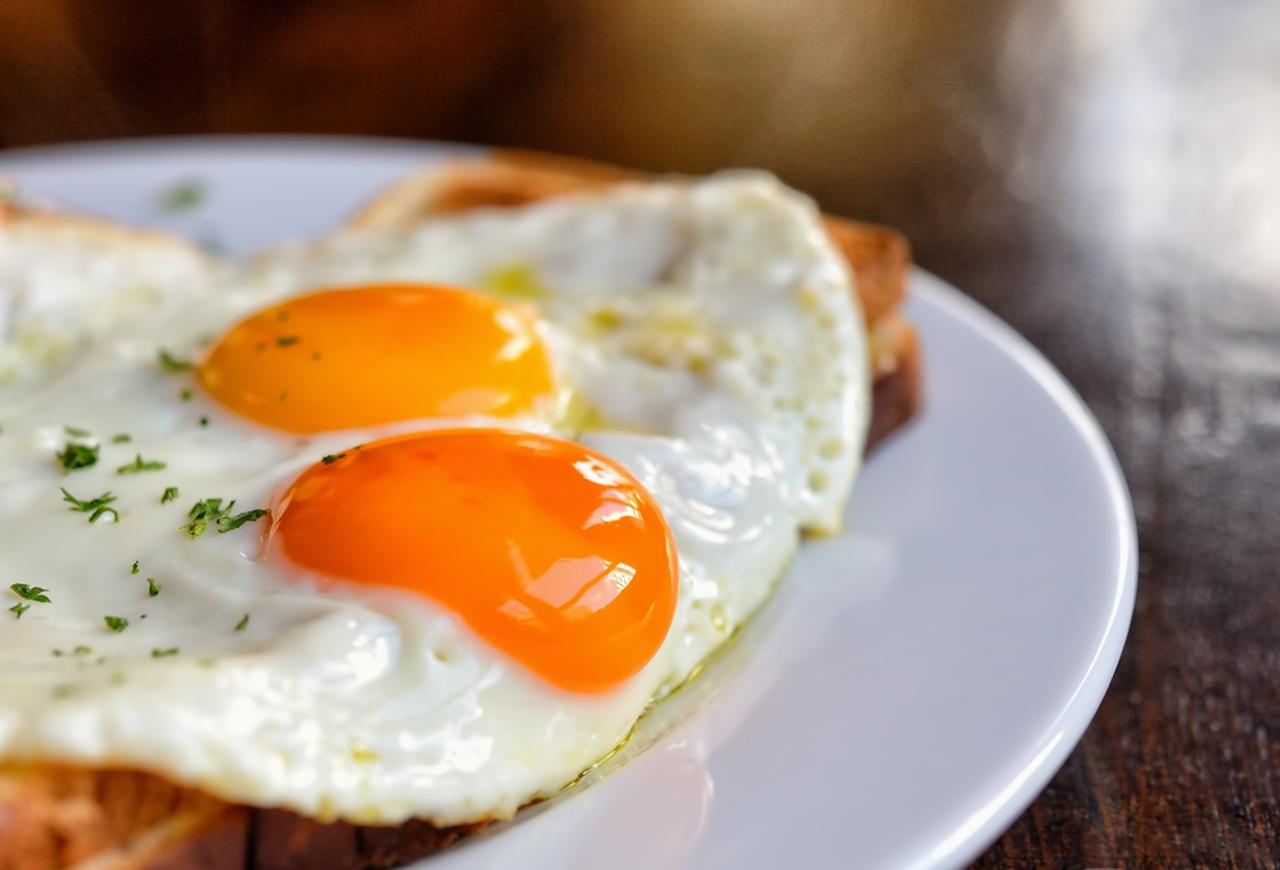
x=1104, y=175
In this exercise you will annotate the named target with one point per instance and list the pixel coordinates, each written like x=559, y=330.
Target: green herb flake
x=153, y=588
x=95, y=507
x=139, y=464
x=231, y=523
x=201, y=513
x=287, y=340
x=76, y=432
x=211, y=510
x=170, y=493
x=82, y=651
x=18, y=609
x=122, y=438
x=165, y=653
x=134, y=568
x=243, y=623
x=171, y=363
x=30, y=593
x=73, y=457
x=204, y=421
x=186, y=395
x=117, y=624
x=181, y=197
x=331, y=458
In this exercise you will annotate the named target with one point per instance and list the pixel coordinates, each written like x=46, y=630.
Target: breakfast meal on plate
x=330, y=556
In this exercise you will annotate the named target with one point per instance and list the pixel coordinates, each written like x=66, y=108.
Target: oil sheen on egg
x=525, y=470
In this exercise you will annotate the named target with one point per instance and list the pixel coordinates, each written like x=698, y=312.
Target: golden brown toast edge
x=54, y=817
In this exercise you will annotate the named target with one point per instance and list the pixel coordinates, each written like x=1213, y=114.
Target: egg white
x=706, y=337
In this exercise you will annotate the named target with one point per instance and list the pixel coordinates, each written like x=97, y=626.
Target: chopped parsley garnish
x=95, y=507
x=122, y=438
x=201, y=513
x=76, y=432
x=133, y=569
x=171, y=363
x=331, y=458
x=204, y=421
x=18, y=609
x=230, y=524
x=165, y=653
x=170, y=493
x=287, y=340
x=116, y=623
x=140, y=464
x=186, y=395
x=183, y=196
x=30, y=593
x=243, y=623
x=153, y=588
x=83, y=651
x=211, y=510
x=77, y=456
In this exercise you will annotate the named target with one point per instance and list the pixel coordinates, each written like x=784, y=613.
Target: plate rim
x=1078, y=711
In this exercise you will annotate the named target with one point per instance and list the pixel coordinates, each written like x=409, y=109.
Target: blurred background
x=1104, y=175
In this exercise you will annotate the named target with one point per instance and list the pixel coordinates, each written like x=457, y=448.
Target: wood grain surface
x=1104, y=175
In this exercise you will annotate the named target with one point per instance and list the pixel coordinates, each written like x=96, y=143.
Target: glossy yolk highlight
x=364, y=356
x=548, y=551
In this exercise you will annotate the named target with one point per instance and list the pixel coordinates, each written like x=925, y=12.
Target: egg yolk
x=364, y=356
x=550, y=552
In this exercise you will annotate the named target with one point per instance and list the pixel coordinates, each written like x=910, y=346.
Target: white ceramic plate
x=916, y=681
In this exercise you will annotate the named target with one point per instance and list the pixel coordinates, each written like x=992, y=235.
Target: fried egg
x=414, y=523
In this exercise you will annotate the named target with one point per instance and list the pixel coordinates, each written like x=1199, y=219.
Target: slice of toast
x=55, y=817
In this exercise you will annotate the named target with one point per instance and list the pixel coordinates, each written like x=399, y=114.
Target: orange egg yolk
x=550, y=552
x=364, y=356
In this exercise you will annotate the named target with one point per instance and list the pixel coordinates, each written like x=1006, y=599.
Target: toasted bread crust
x=55, y=817
x=897, y=390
